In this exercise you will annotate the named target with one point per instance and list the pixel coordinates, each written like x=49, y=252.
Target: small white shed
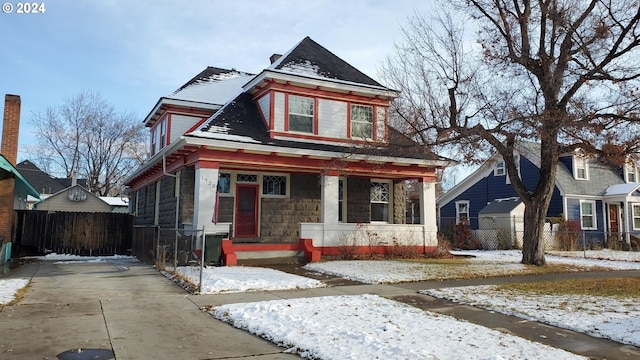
x=501, y=217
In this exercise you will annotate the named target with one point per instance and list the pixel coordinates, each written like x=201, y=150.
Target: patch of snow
x=372, y=327
x=305, y=68
x=612, y=318
x=215, y=90
x=218, y=280
x=69, y=258
x=222, y=136
x=9, y=287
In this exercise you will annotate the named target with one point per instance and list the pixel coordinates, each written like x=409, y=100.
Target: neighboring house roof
x=213, y=86
x=79, y=197
x=501, y=206
x=622, y=189
x=43, y=182
x=7, y=170
x=601, y=176
x=310, y=59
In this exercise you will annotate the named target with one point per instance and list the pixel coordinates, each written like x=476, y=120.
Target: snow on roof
x=115, y=201
x=621, y=189
x=213, y=88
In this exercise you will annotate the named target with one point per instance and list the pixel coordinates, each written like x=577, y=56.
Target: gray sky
x=133, y=52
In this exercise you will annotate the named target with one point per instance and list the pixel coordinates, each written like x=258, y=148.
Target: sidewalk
x=131, y=311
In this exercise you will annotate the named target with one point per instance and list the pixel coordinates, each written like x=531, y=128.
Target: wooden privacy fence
x=77, y=233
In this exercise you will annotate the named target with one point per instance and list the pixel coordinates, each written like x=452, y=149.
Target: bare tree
x=562, y=73
x=86, y=135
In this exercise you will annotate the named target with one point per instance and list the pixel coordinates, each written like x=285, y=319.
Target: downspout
x=177, y=195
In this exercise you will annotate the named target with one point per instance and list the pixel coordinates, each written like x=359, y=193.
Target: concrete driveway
x=120, y=310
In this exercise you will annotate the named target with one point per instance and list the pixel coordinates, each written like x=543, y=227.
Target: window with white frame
x=301, y=113
x=380, y=197
x=500, y=169
x=580, y=168
x=462, y=211
x=275, y=185
x=588, y=215
x=636, y=216
x=362, y=121
x=631, y=171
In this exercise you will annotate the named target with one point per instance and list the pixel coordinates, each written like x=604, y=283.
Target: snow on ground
x=218, y=280
x=368, y=326
x=612, y=318
x=372, y=327
x=69, y=258
x=9, y=287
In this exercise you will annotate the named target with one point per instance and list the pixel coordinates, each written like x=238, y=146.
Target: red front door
x=246, y=219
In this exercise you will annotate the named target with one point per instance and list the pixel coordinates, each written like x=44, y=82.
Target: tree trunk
x=535, y=214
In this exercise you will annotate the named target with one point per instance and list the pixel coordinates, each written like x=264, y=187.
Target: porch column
x=204, y=200
x=628, y=216
x=427, y=189
x=329, y=198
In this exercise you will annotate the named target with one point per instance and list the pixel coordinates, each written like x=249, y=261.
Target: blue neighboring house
x=602, y=199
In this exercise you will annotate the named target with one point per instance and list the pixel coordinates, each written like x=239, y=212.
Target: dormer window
x=362, y=121
x=630, y=173
x=301, y=114
x=580, y=168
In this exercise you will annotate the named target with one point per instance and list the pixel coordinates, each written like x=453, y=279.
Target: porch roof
x=7, y=170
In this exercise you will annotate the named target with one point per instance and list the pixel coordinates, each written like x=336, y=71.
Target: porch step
x=270, y=257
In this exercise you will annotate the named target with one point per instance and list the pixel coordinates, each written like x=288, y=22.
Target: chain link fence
x=556, y=236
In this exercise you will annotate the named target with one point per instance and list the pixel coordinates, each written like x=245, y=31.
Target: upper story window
x=500, y=168
x=462, y=212
x=362, y=121
x=580, y=167
x=159, y=136
x=516, y=160
x=301, y=114
x=630, y=173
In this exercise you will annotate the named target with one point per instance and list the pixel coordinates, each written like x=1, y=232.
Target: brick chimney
x=9, y=149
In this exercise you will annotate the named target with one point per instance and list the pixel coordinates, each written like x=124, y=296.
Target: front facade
x=301, y=151
x=602, y=201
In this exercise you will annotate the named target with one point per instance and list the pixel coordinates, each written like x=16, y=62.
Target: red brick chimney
x=9, y=150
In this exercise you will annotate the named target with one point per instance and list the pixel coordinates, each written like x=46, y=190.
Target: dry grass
x=609, y=287
x=18, y=296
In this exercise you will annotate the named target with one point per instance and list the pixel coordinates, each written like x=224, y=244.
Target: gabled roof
x=600, y=176
x=43, y=182
x=308, y=58
x=622, y=189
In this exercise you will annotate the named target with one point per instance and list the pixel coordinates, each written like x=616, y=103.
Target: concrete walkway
x=127, y=310
x=133, y=312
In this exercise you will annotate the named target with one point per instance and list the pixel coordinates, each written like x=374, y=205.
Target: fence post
x=175, y=251
x=156, y=259
x=202, y=257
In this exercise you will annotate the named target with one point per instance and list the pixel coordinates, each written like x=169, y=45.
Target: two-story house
x=299, y=155
x=602, y=200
